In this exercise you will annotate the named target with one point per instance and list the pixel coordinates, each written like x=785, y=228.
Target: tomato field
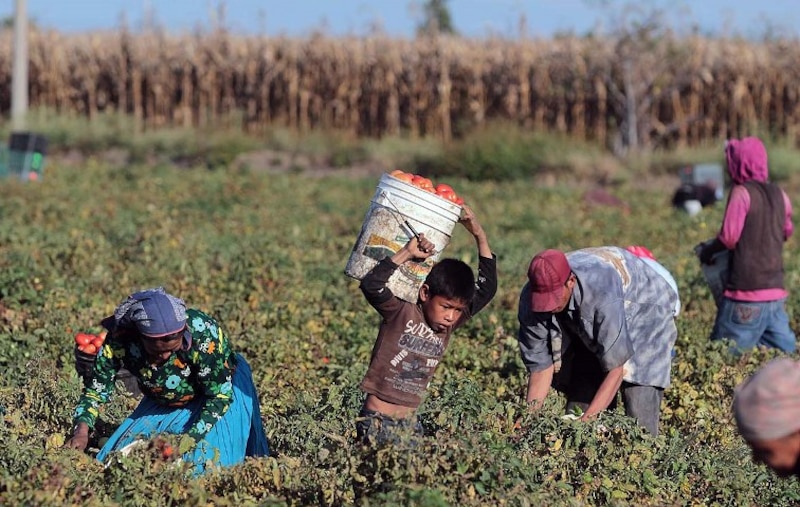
x=264, y=253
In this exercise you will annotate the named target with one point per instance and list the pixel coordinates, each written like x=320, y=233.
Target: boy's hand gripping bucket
x=397, y=212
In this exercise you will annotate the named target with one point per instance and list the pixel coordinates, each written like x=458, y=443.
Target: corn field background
x=644, y=88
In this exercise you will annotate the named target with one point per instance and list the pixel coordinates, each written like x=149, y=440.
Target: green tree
x=436, y=18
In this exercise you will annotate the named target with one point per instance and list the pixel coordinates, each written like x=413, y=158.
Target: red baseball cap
x=547, y=273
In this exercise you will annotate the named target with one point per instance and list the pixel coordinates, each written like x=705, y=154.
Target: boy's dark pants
x=582, y=378
x=374, y=427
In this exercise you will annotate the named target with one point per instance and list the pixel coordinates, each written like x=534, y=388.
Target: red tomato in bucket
x=444, y=188
x=445, y=191
x=422, y=182
x=403, y=176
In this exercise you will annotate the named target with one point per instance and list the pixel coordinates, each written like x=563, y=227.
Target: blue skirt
x=239, y=433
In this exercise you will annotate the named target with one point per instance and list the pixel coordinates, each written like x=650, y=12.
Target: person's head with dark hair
x=446, y=293
x=451, y=278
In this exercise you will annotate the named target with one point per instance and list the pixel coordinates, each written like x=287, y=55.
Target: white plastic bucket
x=384, y=232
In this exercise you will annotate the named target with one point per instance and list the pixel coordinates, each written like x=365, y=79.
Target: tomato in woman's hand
x=89, y=348
x=83, y=338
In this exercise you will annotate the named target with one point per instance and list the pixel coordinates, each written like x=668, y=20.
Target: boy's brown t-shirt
x=407, y=351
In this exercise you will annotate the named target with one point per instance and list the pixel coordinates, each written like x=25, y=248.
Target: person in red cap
x=595, y=322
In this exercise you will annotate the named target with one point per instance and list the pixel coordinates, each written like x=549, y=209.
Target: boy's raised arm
x=471, y=224
x=487, y=264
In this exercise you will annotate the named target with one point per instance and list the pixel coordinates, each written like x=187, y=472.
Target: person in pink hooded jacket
x=757, y=222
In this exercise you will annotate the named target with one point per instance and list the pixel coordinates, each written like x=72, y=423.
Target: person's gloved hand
x=706, y=252
x=706, y=255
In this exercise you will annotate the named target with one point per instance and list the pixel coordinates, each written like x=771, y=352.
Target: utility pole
x=19, y=76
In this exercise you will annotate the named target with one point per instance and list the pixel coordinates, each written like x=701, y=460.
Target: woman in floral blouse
x=192, y=380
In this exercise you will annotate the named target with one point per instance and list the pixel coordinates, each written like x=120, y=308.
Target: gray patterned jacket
x=621, y=309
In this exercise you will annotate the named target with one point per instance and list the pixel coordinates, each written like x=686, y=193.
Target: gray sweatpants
x=643, y=403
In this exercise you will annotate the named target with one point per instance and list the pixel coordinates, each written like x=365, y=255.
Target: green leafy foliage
x=265, y=253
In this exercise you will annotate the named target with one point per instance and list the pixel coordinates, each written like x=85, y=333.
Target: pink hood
x=747, y=160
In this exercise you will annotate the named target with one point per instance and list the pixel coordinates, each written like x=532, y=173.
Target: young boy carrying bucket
x=412, y=337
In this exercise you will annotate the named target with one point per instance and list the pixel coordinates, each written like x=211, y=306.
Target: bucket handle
x=405, y=222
